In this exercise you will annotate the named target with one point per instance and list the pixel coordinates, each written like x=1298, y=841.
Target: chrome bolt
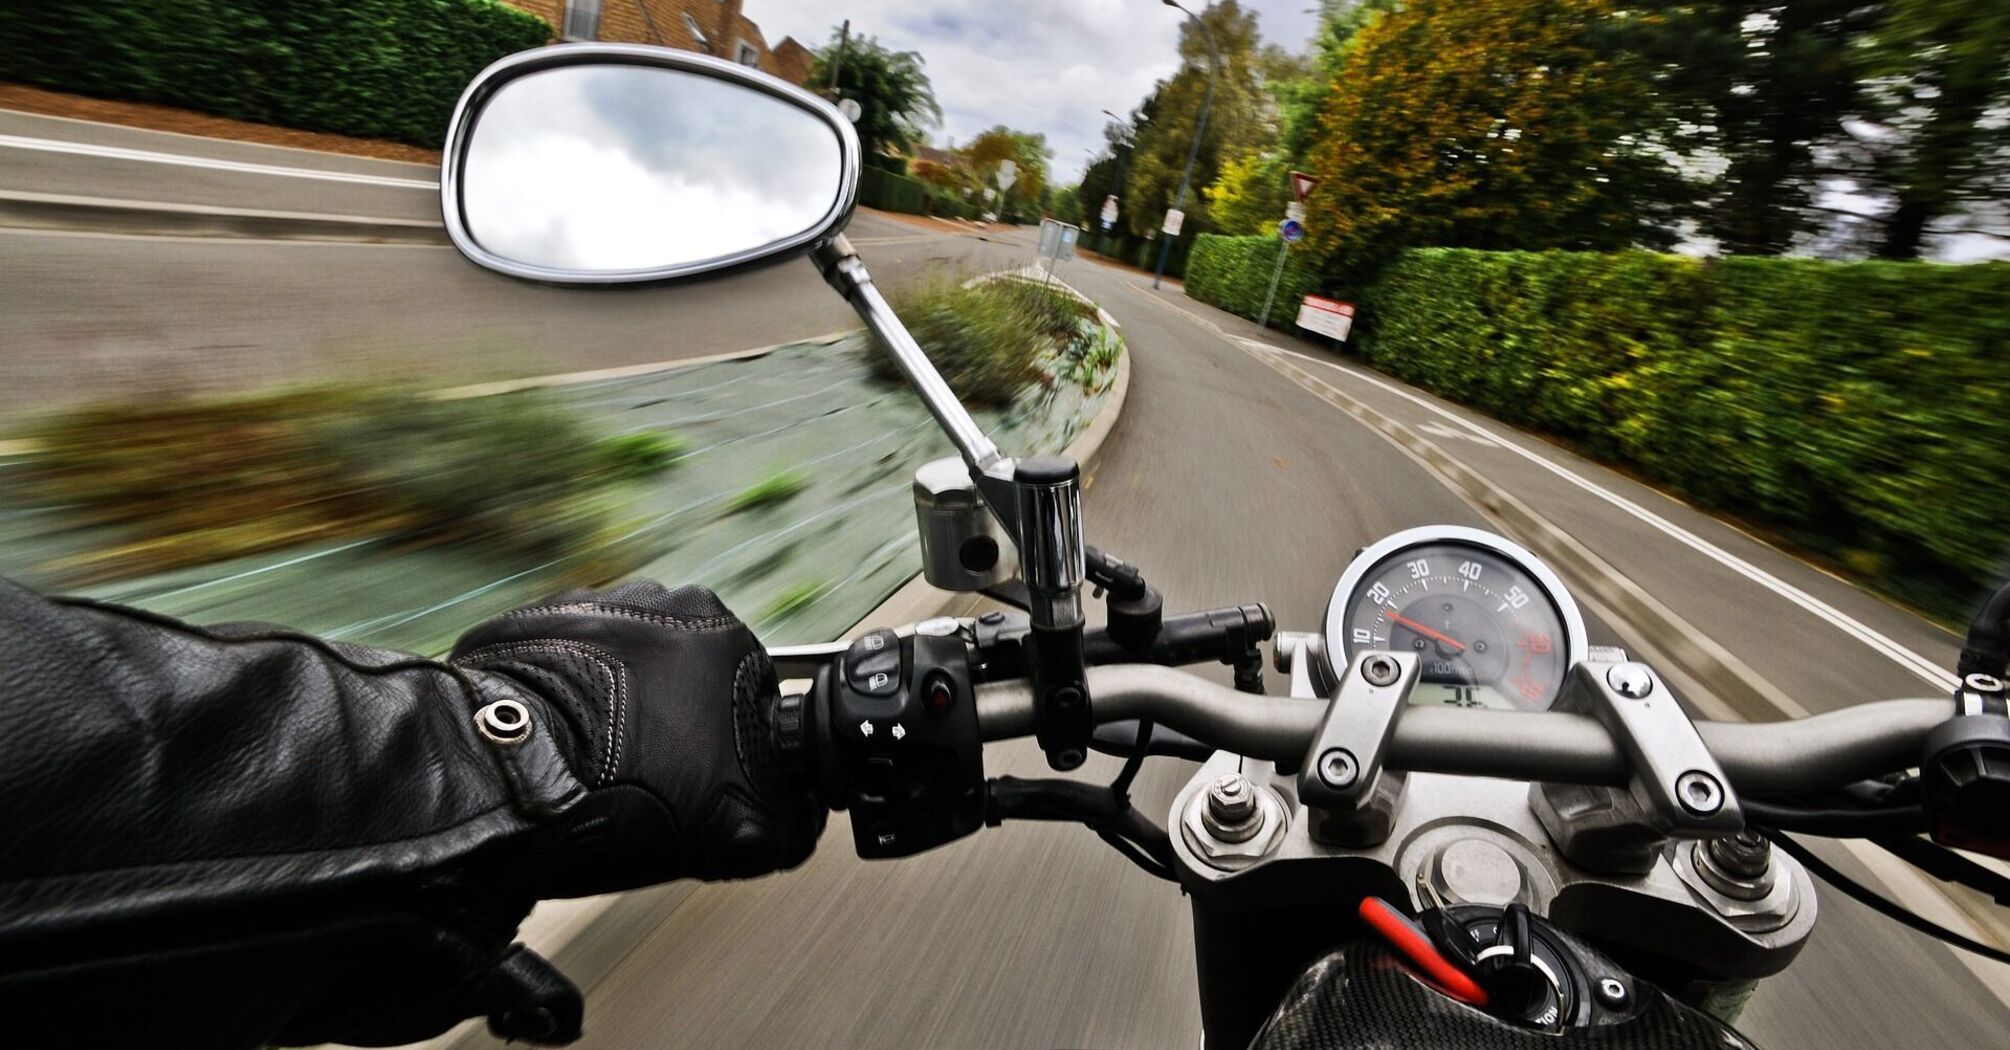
x=1630, y=680
x=1337, y=768
x=1612, y=992
x=504, y=722
x=1232, y=814
x=1380, y=670
x=1699, y=793
x=1984, y=683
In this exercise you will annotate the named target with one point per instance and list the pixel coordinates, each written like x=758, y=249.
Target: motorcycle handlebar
x=1763, y=758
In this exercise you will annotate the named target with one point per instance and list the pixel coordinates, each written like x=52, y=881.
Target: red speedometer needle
x=1427, y=632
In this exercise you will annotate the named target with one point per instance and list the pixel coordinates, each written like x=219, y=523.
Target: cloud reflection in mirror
x=603, y=168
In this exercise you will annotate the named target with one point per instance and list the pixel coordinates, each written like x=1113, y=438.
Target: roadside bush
x=988, y=339
x=1233, y=273
x=890, y=192
x=1862, y=409
x=190, y=483
x=389, y=69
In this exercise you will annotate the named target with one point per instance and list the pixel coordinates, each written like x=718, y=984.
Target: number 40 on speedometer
x=1490, y=625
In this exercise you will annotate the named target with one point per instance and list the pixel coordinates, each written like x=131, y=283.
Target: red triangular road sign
x=1301, y=185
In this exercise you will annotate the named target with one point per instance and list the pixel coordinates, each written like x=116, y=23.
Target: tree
x=896, y=102
x=1104, y=176
x=1249, y=195
x=1493, y=124
x=1761, y=89
x=1937, y=87
x=984, y=154
x=1235, y=123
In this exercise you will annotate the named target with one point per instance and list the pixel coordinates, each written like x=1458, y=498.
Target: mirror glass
x=609, y=168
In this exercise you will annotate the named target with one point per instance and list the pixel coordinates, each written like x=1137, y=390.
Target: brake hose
x=1837, y=823
x=1877, y=903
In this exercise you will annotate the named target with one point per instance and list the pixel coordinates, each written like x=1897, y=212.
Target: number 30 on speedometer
x=1490, y=624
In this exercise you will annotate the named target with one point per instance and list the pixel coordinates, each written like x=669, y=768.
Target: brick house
x=715, y=27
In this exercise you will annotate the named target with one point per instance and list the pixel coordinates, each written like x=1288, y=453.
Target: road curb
x=57, y=211
x=587, y=939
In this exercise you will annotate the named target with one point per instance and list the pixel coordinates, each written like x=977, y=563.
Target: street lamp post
x=1122, y=159
x=1200, y=129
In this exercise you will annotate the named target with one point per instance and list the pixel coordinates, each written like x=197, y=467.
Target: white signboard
x=1110, y=210
x=1295, y=211
x=1008, y=173
x=1174, y=217
x=1328, y=317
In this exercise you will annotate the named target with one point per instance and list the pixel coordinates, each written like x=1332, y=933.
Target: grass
x=794, y=600
x=778, y=487
x=173, y=484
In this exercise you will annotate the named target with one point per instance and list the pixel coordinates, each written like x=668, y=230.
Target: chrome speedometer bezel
x=1576, y=646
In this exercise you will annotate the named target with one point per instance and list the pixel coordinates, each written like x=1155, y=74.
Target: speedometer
x=1491, y=625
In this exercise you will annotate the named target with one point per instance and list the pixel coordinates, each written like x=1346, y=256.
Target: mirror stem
x=846, y=272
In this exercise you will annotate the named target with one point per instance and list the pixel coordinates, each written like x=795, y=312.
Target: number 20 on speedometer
x=1490, y=625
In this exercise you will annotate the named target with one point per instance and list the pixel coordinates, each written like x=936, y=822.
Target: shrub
x=1234, y=273
x=195, y=482
x=988, y=339
x=388, y=69
x=778, y=487
x=890, y=192
x=1862, y=409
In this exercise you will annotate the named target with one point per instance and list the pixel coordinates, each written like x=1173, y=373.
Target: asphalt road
x=95, y=315
x=1226, y=479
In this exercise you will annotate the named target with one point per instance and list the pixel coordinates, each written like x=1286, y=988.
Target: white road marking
x=37, y=231
x=1443, y=431
x=148, y=156
x=1925, y=669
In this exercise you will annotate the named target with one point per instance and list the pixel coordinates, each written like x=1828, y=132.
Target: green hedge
x=1233, y=273
x=388, y=69
x=1862, y=409
x=889, y=192
x=1137, y=251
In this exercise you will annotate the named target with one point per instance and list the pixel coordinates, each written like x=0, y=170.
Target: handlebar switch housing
x=901, y=747
x=1966, y=776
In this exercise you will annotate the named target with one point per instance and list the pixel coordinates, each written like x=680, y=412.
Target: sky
x=1046, y=66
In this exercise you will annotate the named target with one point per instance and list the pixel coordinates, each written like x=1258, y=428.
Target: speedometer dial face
x=1490, y=624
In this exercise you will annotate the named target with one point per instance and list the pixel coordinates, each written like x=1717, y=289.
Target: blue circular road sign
x=1291, y=230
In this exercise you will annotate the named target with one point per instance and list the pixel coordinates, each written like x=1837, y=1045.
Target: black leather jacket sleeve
x=224, y=837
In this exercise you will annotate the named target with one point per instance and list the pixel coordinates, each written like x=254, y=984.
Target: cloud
x=1046, y=66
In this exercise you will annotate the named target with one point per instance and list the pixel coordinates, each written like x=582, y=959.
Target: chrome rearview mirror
x=621, y=164
x=614, y=164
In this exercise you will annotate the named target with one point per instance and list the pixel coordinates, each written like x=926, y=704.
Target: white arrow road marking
x=865, y=728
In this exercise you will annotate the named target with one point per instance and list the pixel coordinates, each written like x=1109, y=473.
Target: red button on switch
x=941, y=696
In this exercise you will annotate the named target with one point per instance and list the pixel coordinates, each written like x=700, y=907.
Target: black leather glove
x=232, y=836
x=660, y=701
